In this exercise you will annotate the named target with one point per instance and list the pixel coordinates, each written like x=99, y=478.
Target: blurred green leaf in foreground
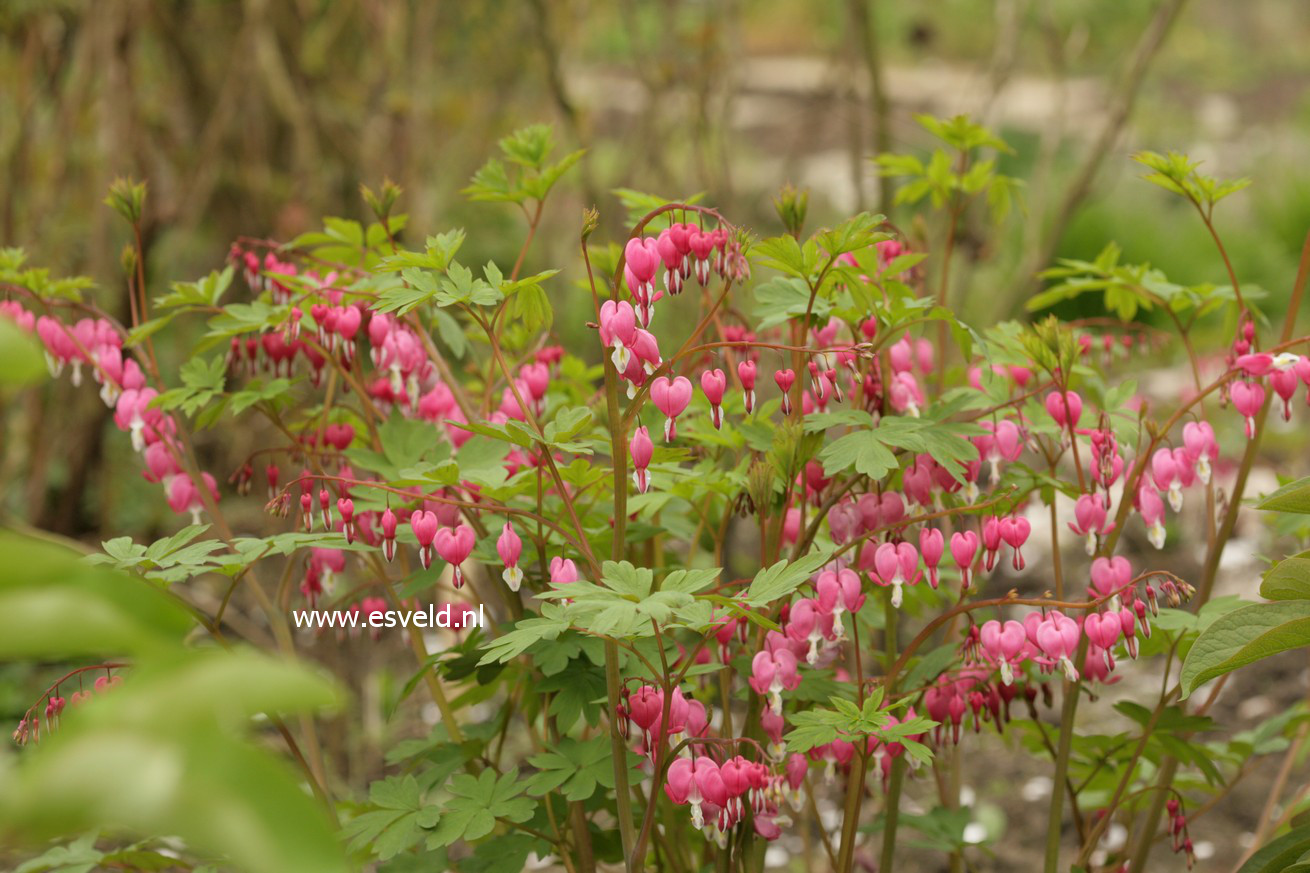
x=161, y=753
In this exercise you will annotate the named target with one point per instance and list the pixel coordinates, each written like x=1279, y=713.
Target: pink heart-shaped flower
x=671, y=396
x=425, y=527
x=1103, y=630
x=454, y=545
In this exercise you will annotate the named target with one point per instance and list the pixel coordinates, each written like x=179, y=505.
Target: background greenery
x=254, y=118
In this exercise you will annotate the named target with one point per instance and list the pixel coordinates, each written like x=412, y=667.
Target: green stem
x=892, y=815
x=892, y=806
x=865, y=20
x=586, y=859
x=527, y=243
x=1068, y=711
x=613, y=684
x=944, y=291
x=850, y=818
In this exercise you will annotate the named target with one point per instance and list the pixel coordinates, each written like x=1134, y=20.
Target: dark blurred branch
x=857, y=153
x=184, y=59
x=1148, y=47
x=207, y=166
x=559, y=91
x=1055, y=46
x=280, y=87
x=864, y=19
x=1010, y=15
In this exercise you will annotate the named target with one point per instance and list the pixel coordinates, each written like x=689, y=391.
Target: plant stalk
x=1067, y=712
x=613, y=684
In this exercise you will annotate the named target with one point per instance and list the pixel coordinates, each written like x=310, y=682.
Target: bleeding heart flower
x=644, y=706
x=917, y=481
x=901, y=355
x=931, y=545
x=618, y=330
x=991, y=540
x=746, y=373
x=388, y=524
x=162, y=464
x=964, y=548
x=1111, y=576
x=1092, y=519
x=1285, y=383
x=536, y=376
x=772, y=672
x=891, y=508
x=346, y=509
x=1255, y=364
x=897, y=565
x=324, y=504
x=1065, y=408
x=1202, y=447
x=828, y=595
x=1128, y=624
x=1165, y=473
x=797, y=769
x=642, y=257
x=1004, y=644
x=844, y=522
x=702, y=245
x=671, y=397
x=642, y=450
x=804, y=624
x=1015, y=531
x=1057, y=637
x=905, y=395
x=1247, y=398
x=679, y=781
x=184, y=496
x=694, y=782
x=563, y=571
x=1008, y=441
x=714, y=383
x=509, y=546
x=1103, y=630
x=672, y=258
x=425, y=526
x=1151, y=508
x=454, y=546
x=785, y=379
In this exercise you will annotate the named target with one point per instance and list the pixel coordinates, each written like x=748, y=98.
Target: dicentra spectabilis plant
x=772, y=550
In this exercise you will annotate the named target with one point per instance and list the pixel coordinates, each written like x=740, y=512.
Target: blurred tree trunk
x=864, y=21
x=1148, y=48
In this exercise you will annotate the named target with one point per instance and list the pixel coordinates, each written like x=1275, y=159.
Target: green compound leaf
x=1244, y=636
x=1281, y=855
